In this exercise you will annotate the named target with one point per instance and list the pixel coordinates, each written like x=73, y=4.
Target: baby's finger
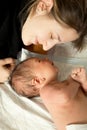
x=73, y=75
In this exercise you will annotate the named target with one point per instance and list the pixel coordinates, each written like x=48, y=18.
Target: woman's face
x=45, y=30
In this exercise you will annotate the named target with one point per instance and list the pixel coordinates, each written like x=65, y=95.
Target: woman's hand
x=6, y=66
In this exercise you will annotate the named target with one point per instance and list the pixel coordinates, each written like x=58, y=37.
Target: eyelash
x=52, y=37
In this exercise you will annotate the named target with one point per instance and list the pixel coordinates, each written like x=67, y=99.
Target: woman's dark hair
x=74, y=14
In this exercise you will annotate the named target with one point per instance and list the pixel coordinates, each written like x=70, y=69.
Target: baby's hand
x=79, y=74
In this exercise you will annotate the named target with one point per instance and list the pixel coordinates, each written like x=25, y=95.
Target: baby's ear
x=44, y=6
x=36, y=81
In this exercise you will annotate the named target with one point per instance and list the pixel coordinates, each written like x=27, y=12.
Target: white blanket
x=20, y=113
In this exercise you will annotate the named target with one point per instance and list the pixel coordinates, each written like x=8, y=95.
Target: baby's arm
x=79, y=74
x=60, y=92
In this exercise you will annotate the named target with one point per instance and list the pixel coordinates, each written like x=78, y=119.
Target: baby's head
x=30, y=75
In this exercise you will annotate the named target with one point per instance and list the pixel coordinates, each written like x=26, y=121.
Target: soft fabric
x=77, y=127
x=21, y=113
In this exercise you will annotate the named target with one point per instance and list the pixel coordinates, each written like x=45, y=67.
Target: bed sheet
x=20, y=113
x=77, y=127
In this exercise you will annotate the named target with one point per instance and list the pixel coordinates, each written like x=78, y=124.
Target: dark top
x=10, y=33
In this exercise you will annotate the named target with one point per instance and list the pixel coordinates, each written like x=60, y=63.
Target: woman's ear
x=44, y=7
x=36, y=81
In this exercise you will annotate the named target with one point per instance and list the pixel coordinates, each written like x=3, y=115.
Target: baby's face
x=43, y=68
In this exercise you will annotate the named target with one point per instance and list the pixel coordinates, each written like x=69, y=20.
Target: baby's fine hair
x=21, y=75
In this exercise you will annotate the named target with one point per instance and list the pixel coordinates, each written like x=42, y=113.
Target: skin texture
x=43, y=68
x=50, y=32
x=32, y=74
x=67, y=101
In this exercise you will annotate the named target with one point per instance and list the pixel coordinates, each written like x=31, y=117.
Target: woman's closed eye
x=55, y=36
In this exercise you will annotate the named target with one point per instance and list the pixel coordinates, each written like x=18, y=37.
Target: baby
x=29, y=76
x=66, y=100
